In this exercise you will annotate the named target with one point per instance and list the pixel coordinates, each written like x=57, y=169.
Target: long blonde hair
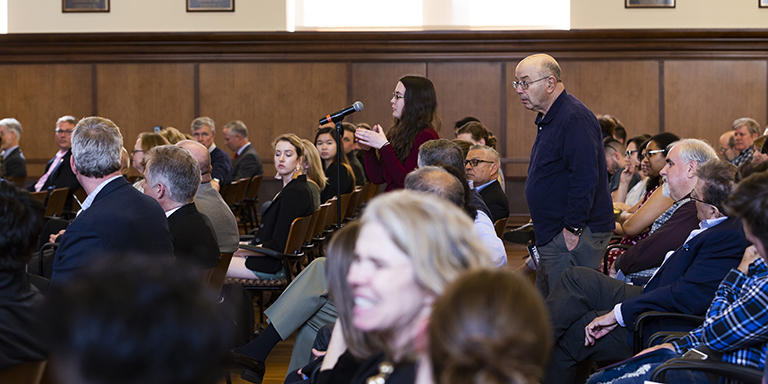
x=313, y=166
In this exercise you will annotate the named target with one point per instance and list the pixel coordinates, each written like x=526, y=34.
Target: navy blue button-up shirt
x=567, y=181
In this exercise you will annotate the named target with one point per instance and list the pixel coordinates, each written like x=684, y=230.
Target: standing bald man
x=567, y=186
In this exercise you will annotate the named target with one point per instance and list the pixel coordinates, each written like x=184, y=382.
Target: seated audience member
x=246, y=163
x=410, y=247
x=21, y=220
x=204, y=131
x=292, y=202
x=457, y=125
x=477, y=134
x=463, y=145
x=615, y=159
x=114, y=217
x=306, y=305
x=608, y=125
x=58, y=174
x=488, y=327
x=313, y=169
x=658, y=207
x=745, y=131
x=173, y=135
x=210, y=203
x=620, y=134
x=172, y=177
x=144, y=143
x=348, y=140
x=136, y=320
x=737, y=319
x=125, y=162
x=591, y=312
x=14, y=163
x=632, y=158
x=325, y=141
x=482, y=168
x=727, y=147
x=444, y=152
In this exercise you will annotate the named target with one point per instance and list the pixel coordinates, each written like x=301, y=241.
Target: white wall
x=45, y=16
x=687, y=14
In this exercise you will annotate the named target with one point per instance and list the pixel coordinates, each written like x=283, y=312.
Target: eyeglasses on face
x=525, y=83
x=200, y=134
x=630, y=153
x=64, y=131
x=695, y=197
x=650, y=154
x=398, y=95
x=476, y=162
x=135, y=151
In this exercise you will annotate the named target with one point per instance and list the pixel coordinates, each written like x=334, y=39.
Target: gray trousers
x=303, y=307
x=581, y=295
x=556, y=258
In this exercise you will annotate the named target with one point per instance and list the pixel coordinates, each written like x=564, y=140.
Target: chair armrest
x=246, y=237
x=741, y=373
x=608, y=250
x=264, y=251
x=665, y=337
x=646, y=317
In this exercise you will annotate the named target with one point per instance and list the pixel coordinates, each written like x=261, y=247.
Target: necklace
x=385, y=369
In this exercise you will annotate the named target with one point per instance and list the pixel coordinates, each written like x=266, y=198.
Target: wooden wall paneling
x=37, y=95
x=271, y=99
x=138, y=97
x=468, y=89
x=703, y=98
x=373, y=84
x=628, y=90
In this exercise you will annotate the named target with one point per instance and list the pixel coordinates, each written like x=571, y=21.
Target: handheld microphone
x=338, y=116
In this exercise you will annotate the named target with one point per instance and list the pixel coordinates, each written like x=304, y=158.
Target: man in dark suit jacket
x=14, y=163
x=247, y=162
x=115, y=217
x=204, y=131
x=482, y=167
x=591, y=313
x=58, y=173
x=172, y=176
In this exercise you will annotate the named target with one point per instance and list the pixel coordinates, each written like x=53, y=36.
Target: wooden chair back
x=19, y=181
x=296, y=235
x=253, y=188
x=40, y=196
x=28, y=372
x=312, y=224
x=322, y=220
x=242, y=189
x=229, y=193
x=219, y=273
x=56, y=200
x=344, y=202
x=330, y=218
x=354, y=202
x=500, y=225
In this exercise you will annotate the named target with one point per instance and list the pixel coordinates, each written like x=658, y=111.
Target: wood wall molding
x=382, y=46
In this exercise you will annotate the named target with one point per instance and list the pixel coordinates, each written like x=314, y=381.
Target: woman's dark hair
x=418, y=114
x=21, y=221
x=341, y=252
x=479, y=131
x=339, y=145
x=662, y=140
x=490, y=326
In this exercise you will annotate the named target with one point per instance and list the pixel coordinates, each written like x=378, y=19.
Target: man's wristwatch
x=574, y=230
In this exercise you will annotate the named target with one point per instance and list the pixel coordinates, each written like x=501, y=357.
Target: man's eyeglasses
x=695, y=197
x=476, y=162
x=200, y=134
x=65, y=131
x=650, y=154
x=525, y=83
x=630, y=153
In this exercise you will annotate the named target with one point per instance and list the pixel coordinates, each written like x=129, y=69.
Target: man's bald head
x=438, y=181
x=200, y=153
x=543, y=64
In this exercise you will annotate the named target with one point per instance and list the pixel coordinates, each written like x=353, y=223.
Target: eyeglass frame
x=476, y=162
x=137, y=150
x=524, y=84
x=397, y=95
x=650, y=154
x=694, y=198
x=629, y=153
x=65, y=131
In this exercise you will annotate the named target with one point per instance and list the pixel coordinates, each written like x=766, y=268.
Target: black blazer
x=247, y=164
x=121, y=220
x=294, y=201
x=15, y=165
x=194, y=241
x=62, y=176
x=496, y=200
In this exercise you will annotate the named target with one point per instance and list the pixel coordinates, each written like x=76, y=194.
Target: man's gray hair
x=237, y=127
x=201, y=122
x=488, y=151
x=67, y=119
x=438, y=181
x=752, y=126
x=12, y=125
x=693, y=149
x=96, y=147
x=441, y=151
x=176, y=169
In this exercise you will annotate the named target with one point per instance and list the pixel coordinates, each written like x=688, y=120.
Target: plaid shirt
x=744, y=157
x=737, y=320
